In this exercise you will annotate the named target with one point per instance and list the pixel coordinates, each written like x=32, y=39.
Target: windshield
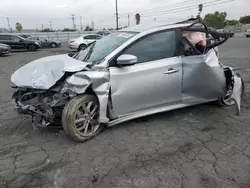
x=101, y=48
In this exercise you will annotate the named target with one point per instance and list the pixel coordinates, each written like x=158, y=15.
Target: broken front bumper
x=43, y=106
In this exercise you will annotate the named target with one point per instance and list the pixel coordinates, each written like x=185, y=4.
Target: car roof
x=156, y=24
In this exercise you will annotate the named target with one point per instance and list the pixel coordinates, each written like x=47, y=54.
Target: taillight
x=71, y=41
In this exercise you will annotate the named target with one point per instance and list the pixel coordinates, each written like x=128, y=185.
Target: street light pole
x=116, y=14
x=8, y=23
x=73, y=20
x=50, y=25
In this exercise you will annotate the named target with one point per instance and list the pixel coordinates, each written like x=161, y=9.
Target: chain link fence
x=239, y=28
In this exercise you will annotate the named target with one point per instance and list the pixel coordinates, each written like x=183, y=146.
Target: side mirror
x=126, y=59
x=21, y=40
x=46, y=40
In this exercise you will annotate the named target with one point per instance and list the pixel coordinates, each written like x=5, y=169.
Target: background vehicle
x=83, y=41
x=247, y=34
x=103, y=33
x=17, y=42
x=231, y=33
x=46, y=42
x=4, y=49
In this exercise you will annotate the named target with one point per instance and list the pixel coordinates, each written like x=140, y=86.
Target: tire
x=53, y=45
x=223, y=102
x=82, y=47
x=74, y=110
x=31, y=47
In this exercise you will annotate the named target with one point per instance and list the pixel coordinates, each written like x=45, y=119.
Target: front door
x=153, y=81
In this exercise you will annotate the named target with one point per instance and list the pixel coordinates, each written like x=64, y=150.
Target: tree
x=68, y=30
x=88, y=28
x=19, y=27
x=47, y=30
x=216, y=19
x=245, y=19
x=231, y=22
x=138, y=18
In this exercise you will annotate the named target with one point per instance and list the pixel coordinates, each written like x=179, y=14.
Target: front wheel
x=31, y=47
x=80, y=118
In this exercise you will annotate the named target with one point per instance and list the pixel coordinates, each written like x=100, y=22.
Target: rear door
x=153, y=81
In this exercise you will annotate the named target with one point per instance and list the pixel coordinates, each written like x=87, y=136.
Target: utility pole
x=50, y=25
x=81, y=23
x=116, y=14
x=73, y=20
x=128, y=20
x=8, y=23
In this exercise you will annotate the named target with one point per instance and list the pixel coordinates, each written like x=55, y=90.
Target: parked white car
x=83, y=41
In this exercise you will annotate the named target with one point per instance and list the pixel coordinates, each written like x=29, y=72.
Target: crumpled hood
x=43, y=73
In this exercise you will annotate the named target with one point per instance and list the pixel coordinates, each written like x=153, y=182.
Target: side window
x=88, y=37
x=154, y=47
x=14, y=38
x=98, y=37
x=5, y=37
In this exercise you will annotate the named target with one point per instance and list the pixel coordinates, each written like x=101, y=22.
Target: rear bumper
x=73, y=46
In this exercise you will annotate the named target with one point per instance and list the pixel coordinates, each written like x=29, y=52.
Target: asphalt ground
x=196, y=147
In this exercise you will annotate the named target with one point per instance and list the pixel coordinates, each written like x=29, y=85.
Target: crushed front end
x=44, y=106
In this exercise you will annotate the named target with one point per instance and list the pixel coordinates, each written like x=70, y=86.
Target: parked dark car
x=46, y=42
x=24, y=36
x=103, y=33
x=17, y=42
x=231, y=33
x=4, y=49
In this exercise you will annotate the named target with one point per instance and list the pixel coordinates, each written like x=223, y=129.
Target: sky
x=33, y=14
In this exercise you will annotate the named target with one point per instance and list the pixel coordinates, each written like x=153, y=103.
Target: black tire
x=69, y=117
x=31, y=47
x=248, y=36
x=53, y=45
x=221, y=101
x=82, y=47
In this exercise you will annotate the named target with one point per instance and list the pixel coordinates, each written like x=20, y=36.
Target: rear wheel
x=82, y=47
x=31, y=47
x=80, y=118
x=53, y=45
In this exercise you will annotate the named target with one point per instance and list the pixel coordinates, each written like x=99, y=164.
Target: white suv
x=83, y=41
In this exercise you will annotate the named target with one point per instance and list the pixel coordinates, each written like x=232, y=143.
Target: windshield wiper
x=89, y=52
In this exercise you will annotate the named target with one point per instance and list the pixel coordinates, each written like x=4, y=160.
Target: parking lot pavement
x=201, y=146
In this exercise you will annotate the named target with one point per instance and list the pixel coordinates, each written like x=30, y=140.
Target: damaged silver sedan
x=130, y=73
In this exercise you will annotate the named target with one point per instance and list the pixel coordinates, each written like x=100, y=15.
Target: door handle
x=171, y=71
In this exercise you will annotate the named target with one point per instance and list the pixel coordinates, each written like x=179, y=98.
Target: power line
x=160, y=8
x=211, y=3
